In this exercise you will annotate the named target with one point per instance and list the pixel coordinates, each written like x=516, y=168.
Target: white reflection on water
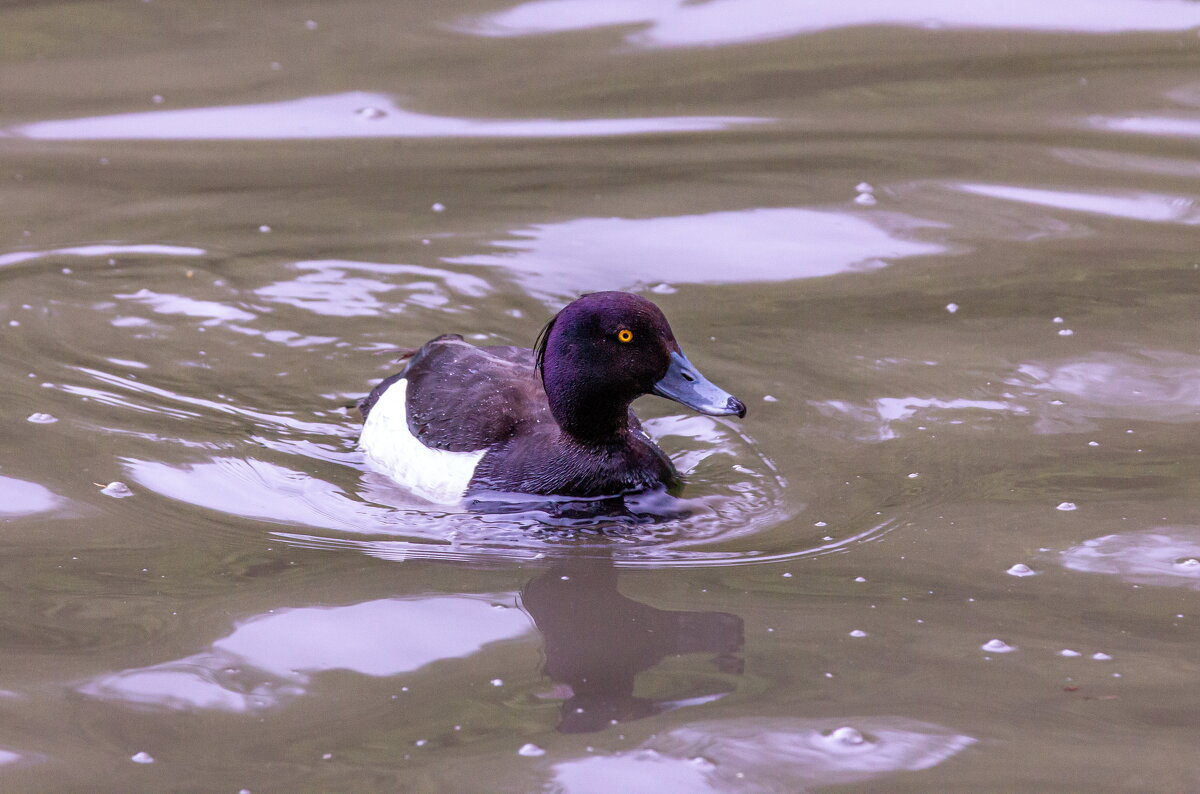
x=1118, y=160
x=1165, y=556
x=752, y=755
x=338, y=288
x=1177, y=126
x=271, y=658
x=23, y=498
x=682, y=23
x=1137, y=206
x=1158, y=386
x=341, y=116
x=17, y=257
x=257, y=489
x=769, y=244
x=885, y=412
x=211, y=311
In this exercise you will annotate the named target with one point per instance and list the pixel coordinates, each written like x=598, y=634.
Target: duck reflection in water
x=597, y=641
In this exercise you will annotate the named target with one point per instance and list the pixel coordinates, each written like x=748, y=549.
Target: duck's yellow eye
x=624, y=335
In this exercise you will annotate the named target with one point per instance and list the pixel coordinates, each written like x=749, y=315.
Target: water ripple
x=680, y=23
x=760, y=244
x=753, y=754
x=1164, y=556
x=270, y=659
x=342, y=116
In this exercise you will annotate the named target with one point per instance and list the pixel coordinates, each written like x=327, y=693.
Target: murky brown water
x=950, y=257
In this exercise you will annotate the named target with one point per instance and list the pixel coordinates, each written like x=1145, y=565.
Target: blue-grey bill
x=684, y=384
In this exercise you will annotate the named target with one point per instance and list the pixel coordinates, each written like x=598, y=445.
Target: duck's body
x=461, y=419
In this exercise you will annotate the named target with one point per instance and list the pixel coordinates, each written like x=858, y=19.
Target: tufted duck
x=555, y=420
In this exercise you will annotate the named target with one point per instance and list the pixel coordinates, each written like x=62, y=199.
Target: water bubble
x=787, y=574
x=1021, y=569
x=370, y=113
x=663, y=289
x=1066, y=332
x=1066, y=507
x=1093, y=443
x=768, y=398
x=866, y=199
x=530, y=751
x=998, y=646
x=1058, y=320
x=311, y=24
x=142, y=758
x=438, y=207
x=914, y=475
x=820, y=524
x=1100, y=656
x=860, y=578
x=865, y=187
x=497, y=682
x=264, y=228
x=117, y=490
x=1188, y=562
x=421, y=742
x=327, y=756
x=952, y=307
x=157, y=99
x=42, y=419
x=1068, y=652
x=847, y=735
x=858, y=633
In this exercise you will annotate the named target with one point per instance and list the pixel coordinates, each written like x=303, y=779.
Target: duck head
x=606, y=349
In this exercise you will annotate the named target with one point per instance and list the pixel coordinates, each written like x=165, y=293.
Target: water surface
x=947, y=255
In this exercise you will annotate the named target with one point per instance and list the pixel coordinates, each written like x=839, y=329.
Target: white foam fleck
x=117, y=490
x=998, y=646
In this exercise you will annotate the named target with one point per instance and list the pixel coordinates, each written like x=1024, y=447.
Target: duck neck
x=590, y=417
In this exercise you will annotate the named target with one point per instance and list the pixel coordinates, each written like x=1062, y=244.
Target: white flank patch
x=433, y=474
